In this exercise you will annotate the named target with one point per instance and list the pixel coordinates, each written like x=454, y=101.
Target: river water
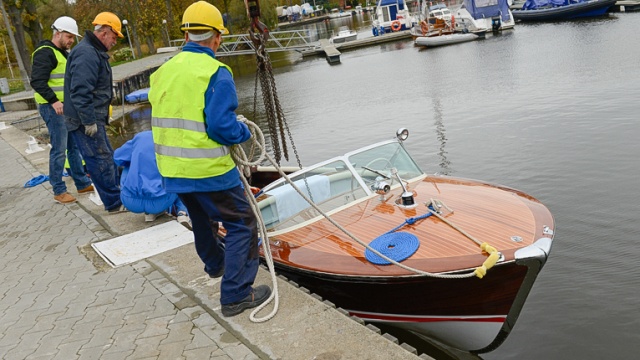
x=551, y=109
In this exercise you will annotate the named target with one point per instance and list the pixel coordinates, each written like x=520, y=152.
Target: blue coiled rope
x=396, y=246
x=36, y=181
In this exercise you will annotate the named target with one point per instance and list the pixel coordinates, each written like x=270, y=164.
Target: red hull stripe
x=421, y=319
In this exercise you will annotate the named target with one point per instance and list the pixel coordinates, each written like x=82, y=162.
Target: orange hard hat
x=111, y=20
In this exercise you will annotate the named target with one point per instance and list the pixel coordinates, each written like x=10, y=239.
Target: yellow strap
x=481, y=271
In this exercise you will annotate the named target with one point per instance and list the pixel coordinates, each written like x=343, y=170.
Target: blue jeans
x=98, y=156
x=239, y=255
x=61, y=142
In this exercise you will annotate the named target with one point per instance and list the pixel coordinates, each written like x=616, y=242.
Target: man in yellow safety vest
x=193, y=99
x=47, y=79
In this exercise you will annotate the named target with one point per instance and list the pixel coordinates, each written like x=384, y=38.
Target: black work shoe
x=258, y=295
x=218, y=274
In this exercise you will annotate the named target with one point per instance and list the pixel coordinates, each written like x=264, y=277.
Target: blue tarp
x=488, y=8
x=537, y=4
x=138, y=96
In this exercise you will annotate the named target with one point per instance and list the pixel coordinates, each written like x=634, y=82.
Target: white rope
x=240, y=158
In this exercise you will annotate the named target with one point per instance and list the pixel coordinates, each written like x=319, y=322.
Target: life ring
x=424, y=27
x=396, y=25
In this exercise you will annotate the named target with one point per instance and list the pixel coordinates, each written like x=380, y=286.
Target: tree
x=24, y=19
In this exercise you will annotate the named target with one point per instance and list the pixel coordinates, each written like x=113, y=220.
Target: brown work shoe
x=86, y=190
x=64, y=198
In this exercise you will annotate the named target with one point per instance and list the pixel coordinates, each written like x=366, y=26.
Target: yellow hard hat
x=109, y=19
x=202, y=16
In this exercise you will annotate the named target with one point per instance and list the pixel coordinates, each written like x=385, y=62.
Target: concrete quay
x=60, y=300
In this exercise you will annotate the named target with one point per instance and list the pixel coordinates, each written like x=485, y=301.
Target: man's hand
x=91, y=130
x=57, y=106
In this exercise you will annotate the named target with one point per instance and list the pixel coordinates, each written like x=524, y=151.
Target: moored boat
x=391, y=15
x=447, y=39
x=475, y=15
x=344, y=34
x=549, y=10
x=450, y=259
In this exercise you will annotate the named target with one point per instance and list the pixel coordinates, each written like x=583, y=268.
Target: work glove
x=91, y=130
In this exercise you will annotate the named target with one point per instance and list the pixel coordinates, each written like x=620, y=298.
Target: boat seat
x=284, y=201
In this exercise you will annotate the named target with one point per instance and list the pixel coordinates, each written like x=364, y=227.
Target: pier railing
x=241, y=44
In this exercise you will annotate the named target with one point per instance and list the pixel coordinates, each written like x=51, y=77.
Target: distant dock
x=332, y=51
x=626, y=6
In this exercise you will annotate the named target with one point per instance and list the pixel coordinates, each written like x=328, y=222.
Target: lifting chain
x=259, y=34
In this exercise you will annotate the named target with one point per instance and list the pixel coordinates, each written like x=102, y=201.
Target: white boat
x=335, y=13
x=391, y=15
x=344, y=34
x=441, y=40
x=483, y=15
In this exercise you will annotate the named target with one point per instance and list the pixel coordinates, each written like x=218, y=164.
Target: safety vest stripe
x=173, y=123
x=57, y=76
x=57, y=88
x=191, y=153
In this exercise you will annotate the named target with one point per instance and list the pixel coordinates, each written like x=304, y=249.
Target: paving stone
x=203, y=353
x=116, y=355
x=173, y=350
x=147, y=346
x=101, y=337
x=200, y=340
x=179, y=332
x=156, y=327
x=54, y=304
x=123, y=341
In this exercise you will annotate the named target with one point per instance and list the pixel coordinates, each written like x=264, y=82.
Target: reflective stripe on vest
x=56, y=79
x=183, y=148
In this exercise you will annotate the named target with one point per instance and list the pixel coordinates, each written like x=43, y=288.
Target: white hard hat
x=65, y=23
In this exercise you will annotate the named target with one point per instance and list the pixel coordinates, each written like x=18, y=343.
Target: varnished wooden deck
x=488, y=213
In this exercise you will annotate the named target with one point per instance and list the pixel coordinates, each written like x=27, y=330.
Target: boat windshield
x=334, y=184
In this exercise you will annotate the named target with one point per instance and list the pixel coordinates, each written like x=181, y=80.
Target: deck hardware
x=516, y=238
x=547, y=230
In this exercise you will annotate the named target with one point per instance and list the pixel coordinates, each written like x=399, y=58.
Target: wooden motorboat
x=545, y=10
x=436, y=279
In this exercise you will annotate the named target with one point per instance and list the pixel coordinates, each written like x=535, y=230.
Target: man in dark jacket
x=88, y=94
x=47, y=79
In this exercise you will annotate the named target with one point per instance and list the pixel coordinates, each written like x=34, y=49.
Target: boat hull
x=442, y=40
x=342, y=39
x=470, y=314
x=573, y=11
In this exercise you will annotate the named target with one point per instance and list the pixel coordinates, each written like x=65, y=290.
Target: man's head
x=107, y=29
x=65, y=31
x=202, y=23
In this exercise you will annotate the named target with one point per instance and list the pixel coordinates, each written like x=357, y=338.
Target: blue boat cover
x=400, y=3
x=537, y=4
x=488, y=8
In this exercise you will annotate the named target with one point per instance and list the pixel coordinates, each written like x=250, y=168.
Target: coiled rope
x=239, y=156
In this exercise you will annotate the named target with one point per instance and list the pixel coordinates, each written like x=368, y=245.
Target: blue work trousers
x=61, y=142
x=98, y=156
x=239, y=254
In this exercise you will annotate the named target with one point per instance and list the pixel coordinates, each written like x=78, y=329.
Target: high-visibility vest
x=56, y=79
x=183, y=148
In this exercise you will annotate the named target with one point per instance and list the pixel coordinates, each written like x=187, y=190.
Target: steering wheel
x=369, y=167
